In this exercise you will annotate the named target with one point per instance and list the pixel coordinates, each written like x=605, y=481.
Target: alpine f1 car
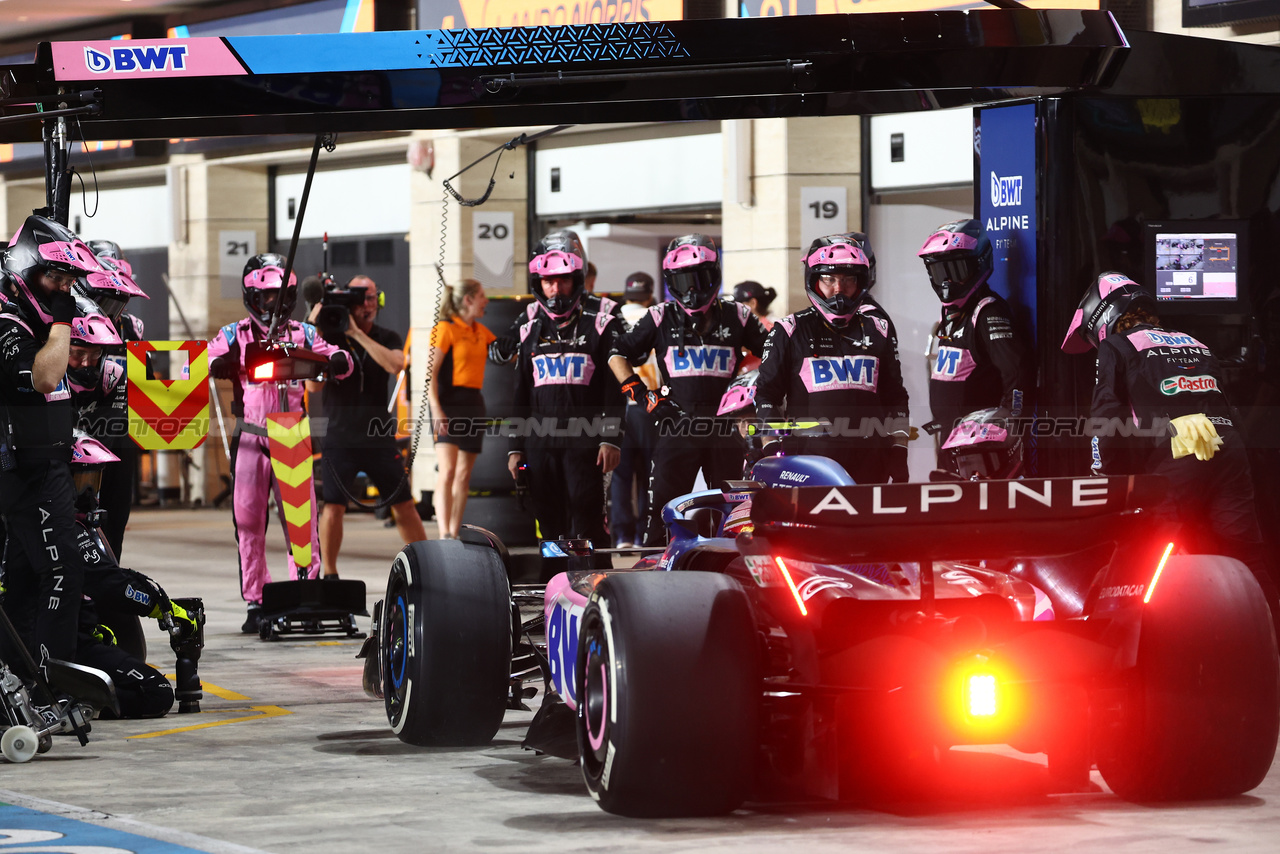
x=801, y=633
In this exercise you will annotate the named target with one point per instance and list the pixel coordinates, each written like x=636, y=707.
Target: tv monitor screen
x=1196, y=265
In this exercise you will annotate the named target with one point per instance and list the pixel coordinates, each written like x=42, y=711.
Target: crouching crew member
x=1155, y=375
x=838, y=360
x=563, y=385
x=698, y=340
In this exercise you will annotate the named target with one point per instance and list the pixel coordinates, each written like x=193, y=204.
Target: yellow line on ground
x=264, y=712
x=210, y=688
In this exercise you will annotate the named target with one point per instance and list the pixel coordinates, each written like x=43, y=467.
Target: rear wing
x=969, y=520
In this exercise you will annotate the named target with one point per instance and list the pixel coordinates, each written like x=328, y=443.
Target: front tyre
x=1200, y=716
x=445, y=643
x=669, y=697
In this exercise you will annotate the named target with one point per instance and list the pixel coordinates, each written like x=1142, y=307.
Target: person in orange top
x=458, y=348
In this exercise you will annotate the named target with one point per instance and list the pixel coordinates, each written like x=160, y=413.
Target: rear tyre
x=445, y=643
x=669, y=696
x=1200, y=716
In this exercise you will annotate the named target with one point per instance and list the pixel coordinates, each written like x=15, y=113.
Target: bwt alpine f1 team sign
x=1006, y=191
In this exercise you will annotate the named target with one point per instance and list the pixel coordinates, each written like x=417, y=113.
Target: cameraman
x=357, y=439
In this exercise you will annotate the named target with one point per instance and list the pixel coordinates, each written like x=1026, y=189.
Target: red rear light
x=265, y=371
x=1151, y=588
x=795, y=591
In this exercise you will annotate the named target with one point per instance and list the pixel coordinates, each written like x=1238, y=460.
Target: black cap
x=639, y=286
x=744, y=291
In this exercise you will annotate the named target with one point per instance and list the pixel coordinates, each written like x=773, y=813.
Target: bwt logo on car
x=1006, y=192
x=1177, y=385
x=145, y=58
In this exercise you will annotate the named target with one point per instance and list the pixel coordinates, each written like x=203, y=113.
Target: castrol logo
x=1177, y=385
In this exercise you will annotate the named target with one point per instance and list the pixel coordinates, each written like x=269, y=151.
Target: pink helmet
x=113, y=287
x=88, y=451
x=740, y=395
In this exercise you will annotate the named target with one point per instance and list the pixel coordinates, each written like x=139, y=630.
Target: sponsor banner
x=781, y=8
x=168, y=415
x=139, y=58
x=376, y=51
x=1005, y=139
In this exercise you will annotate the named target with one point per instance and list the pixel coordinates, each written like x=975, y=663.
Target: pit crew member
x=251, y=475
x=838, y=360
x=981, y=359
x=563, y=382
x=698, y=339
x=1154, y=376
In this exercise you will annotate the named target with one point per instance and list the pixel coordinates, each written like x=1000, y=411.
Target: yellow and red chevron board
x=168, y=415
x=289, y=444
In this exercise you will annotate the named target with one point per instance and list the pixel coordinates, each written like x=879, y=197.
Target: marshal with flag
x=168, y=414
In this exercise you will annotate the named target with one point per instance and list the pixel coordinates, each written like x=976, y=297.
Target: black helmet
x=957, y=257
x=1107, y=300
x=836, y=254
x=560, y=253
x=864, y=243
x=691, y=272
x=639, y=287
x=111, y=249
x=981, y=448
x=42, y=244
x=261, y=287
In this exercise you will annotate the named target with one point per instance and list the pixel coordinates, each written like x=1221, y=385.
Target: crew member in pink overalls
x=251, y=475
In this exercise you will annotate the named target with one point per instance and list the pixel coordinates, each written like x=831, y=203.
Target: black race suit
x=1147, y=376
x=698, y=357
x=568, y=404
x=981, y=363
x=849, y=376
x=118, y=479
x=503, y=350
x=43, y=569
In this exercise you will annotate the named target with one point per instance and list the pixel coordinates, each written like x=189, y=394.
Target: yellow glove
x=1195, y=435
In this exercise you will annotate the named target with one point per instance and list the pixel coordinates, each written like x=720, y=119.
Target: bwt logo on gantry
x=145, y=58
x=1006, y=192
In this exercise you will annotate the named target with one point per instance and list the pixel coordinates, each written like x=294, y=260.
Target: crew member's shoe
x=252, y=619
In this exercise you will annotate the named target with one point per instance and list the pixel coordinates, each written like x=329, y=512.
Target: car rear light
x=795, y=591
x=1151, y=588
x=981, y=696
x=264, y=371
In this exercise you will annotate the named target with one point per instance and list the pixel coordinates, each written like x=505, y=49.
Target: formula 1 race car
x=803, y=634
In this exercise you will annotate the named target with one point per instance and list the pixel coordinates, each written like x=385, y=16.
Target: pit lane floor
x=288, y=755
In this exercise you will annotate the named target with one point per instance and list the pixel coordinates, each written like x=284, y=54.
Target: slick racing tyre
x=1200, y=714
x=445, y=643
x=669, y=694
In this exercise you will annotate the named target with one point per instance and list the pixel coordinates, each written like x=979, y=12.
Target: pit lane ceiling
x=647, y=71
